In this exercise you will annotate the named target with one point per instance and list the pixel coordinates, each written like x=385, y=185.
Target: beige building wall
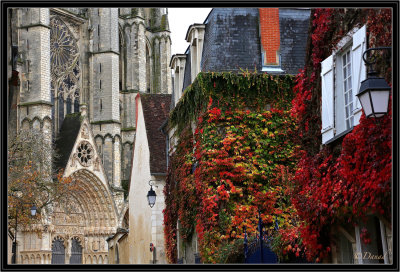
x=123, y=244
x=119, y=249
x=139, y=216
x=145, y=223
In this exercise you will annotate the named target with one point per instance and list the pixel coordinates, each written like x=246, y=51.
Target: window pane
x=349, y=69
x=349, y=83
x=347, y=89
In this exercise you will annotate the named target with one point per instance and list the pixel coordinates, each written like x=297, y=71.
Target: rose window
x=65, y=67
x=64, y=53
x=85, y=153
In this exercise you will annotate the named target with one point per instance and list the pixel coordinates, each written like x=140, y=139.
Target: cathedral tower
x=33, y=62
x=74, y=74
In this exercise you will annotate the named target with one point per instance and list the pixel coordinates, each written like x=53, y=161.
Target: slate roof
x=155, y=111
x=232, y=40
x=66, y=139
x=293, y=25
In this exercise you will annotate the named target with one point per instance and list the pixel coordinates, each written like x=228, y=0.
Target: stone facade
x=92, y=61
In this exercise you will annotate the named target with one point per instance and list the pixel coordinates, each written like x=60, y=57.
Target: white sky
x=179, y=21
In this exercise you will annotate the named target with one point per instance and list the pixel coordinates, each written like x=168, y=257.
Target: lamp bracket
x=370, y=60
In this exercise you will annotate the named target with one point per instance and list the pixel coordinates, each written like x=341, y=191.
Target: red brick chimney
x=270, y=34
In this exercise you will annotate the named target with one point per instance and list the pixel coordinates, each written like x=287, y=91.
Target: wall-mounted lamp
x=151, y=195
x=374, y=91
x=33, y=210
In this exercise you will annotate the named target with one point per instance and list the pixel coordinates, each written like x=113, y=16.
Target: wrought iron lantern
x=374, y=91
x=151, y=196
x=33, y=210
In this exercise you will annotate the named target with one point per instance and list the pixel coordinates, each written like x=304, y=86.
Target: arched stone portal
x=86, y=220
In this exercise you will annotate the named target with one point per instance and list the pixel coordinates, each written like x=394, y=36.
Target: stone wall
x=111, y=107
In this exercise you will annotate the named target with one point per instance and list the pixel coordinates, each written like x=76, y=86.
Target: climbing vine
x=339, y=185
x=244, y=156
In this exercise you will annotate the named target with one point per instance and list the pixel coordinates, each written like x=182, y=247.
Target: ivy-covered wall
x=239, y=157
x=340, y=183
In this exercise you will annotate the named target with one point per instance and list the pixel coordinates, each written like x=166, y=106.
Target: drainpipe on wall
x=162, y=127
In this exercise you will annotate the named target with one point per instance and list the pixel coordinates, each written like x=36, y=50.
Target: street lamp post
x=245, y=245
x=374, y=91
x=14, y=246
x=260, y=229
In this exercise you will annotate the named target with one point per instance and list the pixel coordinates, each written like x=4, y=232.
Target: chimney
x=270, y=35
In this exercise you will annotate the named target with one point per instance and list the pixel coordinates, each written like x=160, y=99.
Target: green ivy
x=247, y=90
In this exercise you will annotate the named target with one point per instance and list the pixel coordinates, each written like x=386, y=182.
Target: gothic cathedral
x=75, y=74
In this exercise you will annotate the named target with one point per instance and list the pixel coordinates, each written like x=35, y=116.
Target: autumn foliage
x=339, y=185
x=244, y=159
x=32, y=180
x=250, y=157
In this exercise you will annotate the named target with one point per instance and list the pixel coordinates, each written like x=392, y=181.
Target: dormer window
x=177, y=64
x=195, y=36
x=268, y=66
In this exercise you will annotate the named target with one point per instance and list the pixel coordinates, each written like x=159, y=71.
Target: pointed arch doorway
x=58, y=252
x=76, y=252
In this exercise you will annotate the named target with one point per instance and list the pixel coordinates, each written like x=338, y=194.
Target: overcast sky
x=179, y=21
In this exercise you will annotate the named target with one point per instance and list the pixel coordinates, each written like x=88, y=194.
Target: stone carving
x=86, y=243
x=73, y=160
x=85, y=153
x=97, y=164
x=95, y=245
x=85, y=133
x=90, y=39
x=69, y=229
x=68, y=219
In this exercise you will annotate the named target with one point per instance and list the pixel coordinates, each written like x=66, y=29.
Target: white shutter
x=358, y=69
x=327, y=99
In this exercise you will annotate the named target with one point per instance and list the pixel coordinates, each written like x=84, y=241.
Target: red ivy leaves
x=244, y=162
x=343, y=187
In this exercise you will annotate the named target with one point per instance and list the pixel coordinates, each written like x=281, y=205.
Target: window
x=346, y=250
x=341, y=76
x=347, y=89
x=367, y=242
x=85, y=153
x=69, y=105
x=76, y=252
x=58, y=252
x=195, y=36
x=271, y=67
